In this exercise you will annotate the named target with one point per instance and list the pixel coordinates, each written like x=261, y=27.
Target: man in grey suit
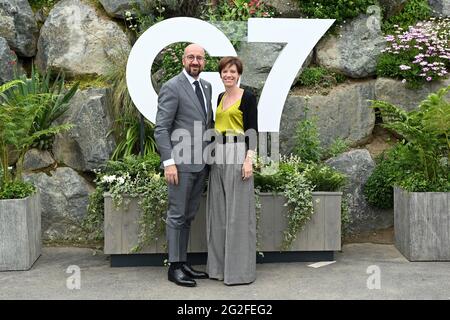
x=184, y=113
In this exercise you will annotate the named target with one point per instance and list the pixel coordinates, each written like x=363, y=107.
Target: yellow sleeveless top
x=230, y=121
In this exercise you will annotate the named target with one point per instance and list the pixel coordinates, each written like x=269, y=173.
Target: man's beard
x=193, y=73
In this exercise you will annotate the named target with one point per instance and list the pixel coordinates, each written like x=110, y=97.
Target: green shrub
x=418, y=182
x=319, y=77
x=378, y=189
x=399, y=166
x=270, y=183
x=420, y=163
x=340, y=10
x=232, y=11
x=337, y=147
x=143, y=15
x=414, y=11
x=325, y=178
x=132, y=165
x=16, y=190
x=276, y=180
x=307, y=143
x=45, y=5
x=237, y=10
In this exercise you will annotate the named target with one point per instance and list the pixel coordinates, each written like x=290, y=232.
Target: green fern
x=17, y=132
x=56, y=106
x=426, y=131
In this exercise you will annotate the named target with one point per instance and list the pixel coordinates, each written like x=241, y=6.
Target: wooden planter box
x=321, y=234
x=20, y=233
x=422, y=225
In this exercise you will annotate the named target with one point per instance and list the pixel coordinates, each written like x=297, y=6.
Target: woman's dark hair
x=229, y=61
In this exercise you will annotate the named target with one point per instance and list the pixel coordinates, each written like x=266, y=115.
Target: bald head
x=194, y=59
x=193, y=47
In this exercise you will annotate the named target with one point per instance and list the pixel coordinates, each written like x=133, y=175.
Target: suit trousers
x=184, y=202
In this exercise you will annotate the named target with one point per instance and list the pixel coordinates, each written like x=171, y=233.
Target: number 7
x=300, y=36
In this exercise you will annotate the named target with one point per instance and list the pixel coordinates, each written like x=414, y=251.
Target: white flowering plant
x=131, y=177
x=419, y=54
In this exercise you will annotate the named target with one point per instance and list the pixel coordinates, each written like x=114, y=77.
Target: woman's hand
x=247, y=168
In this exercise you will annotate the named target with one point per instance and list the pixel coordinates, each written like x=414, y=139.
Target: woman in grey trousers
x=231, y=217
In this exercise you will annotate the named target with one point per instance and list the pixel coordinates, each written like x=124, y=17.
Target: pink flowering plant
x=418, y=55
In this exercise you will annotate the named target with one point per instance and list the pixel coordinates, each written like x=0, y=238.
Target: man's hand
x=171, y=174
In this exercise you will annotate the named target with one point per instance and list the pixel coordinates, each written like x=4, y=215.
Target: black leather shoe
x=178, y=277
x=187, y=269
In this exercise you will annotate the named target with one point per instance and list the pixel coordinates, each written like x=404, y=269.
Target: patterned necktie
x=199, y=94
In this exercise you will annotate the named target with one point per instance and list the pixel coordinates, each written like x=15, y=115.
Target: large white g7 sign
x=300, y=36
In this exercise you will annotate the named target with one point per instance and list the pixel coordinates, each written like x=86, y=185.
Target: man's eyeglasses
x=191, y=58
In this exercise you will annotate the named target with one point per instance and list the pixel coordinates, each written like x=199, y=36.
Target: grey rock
x=37, y=159
x=157, y=79
x=355, y=50
x=395, y=92
x=87, y=146
x=117, y=8
x=258, y=59
x=358, y=165
x=64, y=198
x=40, y=15
x=18, y=26
x=440, y=7
x=343, y=113
x=285, y=9
x=7, y=61
x=75, y=39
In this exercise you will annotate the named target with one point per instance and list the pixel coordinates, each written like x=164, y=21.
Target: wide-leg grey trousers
x=231, y=218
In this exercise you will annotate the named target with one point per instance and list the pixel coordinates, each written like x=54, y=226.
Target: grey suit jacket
x=178, y=110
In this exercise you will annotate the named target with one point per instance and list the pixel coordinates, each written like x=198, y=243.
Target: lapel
x=185, y=84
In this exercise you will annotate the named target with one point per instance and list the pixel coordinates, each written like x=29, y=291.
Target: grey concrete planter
x=20, y=233
x=321, y=233
x=422, y=225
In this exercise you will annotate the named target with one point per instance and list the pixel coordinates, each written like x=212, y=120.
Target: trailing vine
x=298, y=192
